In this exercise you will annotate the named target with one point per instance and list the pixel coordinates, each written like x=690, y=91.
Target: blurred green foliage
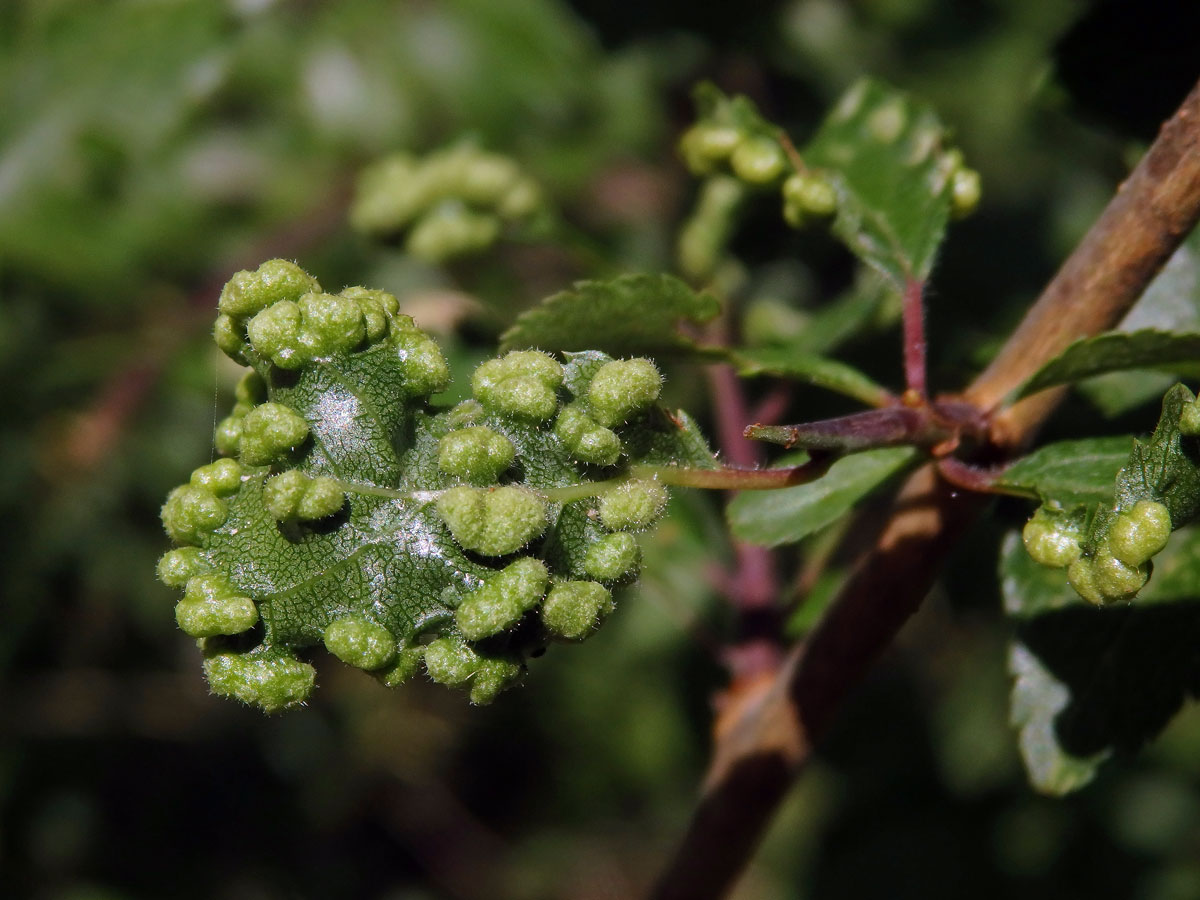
x=148, y=149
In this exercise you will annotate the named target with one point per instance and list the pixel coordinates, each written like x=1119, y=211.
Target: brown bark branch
x=764, y=741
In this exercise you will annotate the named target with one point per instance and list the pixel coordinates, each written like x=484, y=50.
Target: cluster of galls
x=1119, y=564
x=451, y=203
x=281, y=549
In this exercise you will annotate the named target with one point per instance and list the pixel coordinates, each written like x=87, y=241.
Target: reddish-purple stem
x=914, y=337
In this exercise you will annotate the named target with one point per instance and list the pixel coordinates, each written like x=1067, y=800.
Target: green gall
x=493, y=675
x=269, y=432
x=1189, y=419
x=613, y=557
x=522, y=383
x=585, y=439
x=1051, y=542
x=633, y=505
x=621, y=389
x=793, y=214
x=486, y=178
x=425, y=369
x=376, y=307
x=1139, y=533
x=494, y=522
x=810, y=194
x=758, y=160
x=250, y=390
x=268, y=681
x=277, y=279
x=227, y=437
x=521, y=201
x=965, y=192
x=502, y=600
x=222, y=477
x=293, y=495
x=361, y=643
x=477, y=454
x=192, y=511
x=406, y=665
x=275, y=334
x=449, y=231
x=177, y=567
x=1116, y=580
x=332, y=324
x=229, y=337
x=450, y=661
x=1082, y=577
x=574, y=609
x=703, y=147
x=211, y=606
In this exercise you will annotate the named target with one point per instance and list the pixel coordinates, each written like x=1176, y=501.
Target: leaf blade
x=772, y=518
x=628, y=315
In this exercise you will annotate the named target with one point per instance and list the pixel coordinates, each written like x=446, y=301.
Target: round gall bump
x=585, y=439
x=228, y=336
x=613, y=557
x=758, y=160
x=1051, y=543
x=360, y=643
x=966, y=189
x=177, y=567
x=623, y=388
x=450, y=661
x=332, y=324
x=811, y=194
x=521, y=383
x=425, y=369
x=1082, y=577
x=228, y=435
x=191, y=511
x=477, y=454
x=275, y=334
x=1189, y=419
x=1116, y=580
x=493, y=522
x=574, y=609
x=501, y=602
x=211, y=606
x=323, y=496
x=222, y=477
x=273, y=683
x=634, y=505
x=277, y=279
x=270, y=431
x=1140, y=533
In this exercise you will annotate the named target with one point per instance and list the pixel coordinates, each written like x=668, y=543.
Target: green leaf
x=1070, y=473
x=1037, y=700
x=811, y=369
x=629, y=315
x=1165, y=351
x=784, y=516
x=882, y=151
x=1171, y=303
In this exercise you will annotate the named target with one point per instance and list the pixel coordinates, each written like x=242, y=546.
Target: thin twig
x=914, y=339
x=764, y=742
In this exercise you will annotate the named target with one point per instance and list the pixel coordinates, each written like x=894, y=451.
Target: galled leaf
x=357, y=516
